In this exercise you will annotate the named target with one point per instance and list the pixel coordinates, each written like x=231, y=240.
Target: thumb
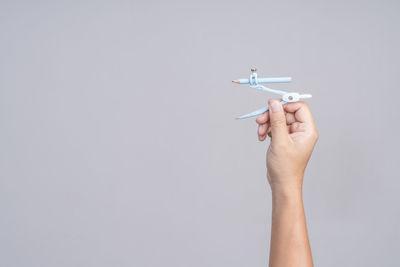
x=278, y=122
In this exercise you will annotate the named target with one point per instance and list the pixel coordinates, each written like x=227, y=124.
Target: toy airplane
x=254, y=82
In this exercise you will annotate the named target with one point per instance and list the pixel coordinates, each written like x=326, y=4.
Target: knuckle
x=297, y=125
x=303, y=103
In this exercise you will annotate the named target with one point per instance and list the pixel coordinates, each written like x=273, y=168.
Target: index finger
x=302, y=112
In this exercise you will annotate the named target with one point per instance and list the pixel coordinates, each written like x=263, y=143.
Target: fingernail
x=275, y=106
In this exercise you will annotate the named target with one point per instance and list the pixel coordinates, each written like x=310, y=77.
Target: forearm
x=289, y=239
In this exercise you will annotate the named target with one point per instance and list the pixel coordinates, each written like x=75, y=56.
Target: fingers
x=301, y=112
x=263, y=131
x=290, y=118
x=297, y=116
x=263, y=118
x=304, y=119
x=297, y=127
x=262, y=138
x=277, y=119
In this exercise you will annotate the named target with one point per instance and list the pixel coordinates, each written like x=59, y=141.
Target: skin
x=293, y=135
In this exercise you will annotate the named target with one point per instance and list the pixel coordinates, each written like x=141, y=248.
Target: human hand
x=293, y=136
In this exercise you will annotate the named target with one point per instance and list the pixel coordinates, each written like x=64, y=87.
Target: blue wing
x=257, y=112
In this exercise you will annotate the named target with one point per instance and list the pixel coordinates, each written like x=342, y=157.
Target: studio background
x=119, y=145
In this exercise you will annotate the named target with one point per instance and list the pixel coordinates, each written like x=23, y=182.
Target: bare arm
x=293, y=136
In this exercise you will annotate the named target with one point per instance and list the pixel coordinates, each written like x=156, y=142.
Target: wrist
x=287, y=199
x=291, y=189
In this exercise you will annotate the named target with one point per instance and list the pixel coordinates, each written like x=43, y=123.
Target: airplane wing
x=257, y=112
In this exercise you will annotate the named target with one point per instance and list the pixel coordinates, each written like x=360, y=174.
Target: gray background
x=119, y=147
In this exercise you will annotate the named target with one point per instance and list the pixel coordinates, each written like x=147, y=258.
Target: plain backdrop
x=118, y=144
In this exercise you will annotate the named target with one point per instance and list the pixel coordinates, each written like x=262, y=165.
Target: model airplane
x=255, y=82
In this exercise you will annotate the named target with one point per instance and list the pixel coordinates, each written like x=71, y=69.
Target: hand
x=293, y=136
